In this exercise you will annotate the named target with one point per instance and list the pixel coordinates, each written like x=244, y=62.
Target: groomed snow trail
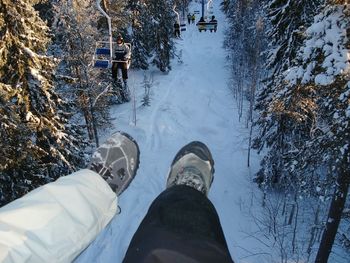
x=192, y=102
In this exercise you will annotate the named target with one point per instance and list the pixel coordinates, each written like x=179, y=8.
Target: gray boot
x=117, y=161
x=193, y=166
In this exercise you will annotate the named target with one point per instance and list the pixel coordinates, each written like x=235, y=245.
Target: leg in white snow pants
x=181, y=225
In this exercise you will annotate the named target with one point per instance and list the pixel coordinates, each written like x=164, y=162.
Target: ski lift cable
x=210, y=2
x=109, y=20
x=177, y=14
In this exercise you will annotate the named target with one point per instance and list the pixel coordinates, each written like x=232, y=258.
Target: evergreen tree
x=306, y=119
x=276, y=120
x=162, y=20
x=75, y=38
x=141, y=30
x=36, y=145
x=323, y=67
x=244, y=41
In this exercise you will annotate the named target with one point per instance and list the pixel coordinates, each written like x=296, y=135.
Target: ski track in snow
x=192, y=102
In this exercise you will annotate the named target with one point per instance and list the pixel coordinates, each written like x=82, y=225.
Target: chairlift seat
x=102, y=51
x=99, y=63
x=207, y=26
x=102, y=58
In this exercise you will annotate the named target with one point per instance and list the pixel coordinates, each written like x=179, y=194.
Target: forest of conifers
x=290, y=64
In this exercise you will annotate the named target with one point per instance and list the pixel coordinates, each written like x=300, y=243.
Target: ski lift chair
x=204, y=26
x=103, y=57
x=183, y=26
x=212, y=26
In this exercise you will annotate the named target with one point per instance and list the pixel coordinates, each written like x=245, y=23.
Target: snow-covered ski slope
x=192, y=102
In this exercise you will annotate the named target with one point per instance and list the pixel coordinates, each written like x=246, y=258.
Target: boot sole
x=127, y=183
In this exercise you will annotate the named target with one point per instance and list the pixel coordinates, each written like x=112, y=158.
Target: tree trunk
x=334, y=216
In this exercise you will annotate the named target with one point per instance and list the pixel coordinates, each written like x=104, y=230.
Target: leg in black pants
x=181, y=225
x=124, y=68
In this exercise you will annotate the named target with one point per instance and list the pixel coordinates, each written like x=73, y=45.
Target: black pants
x=120, y=65
x=181, y=225
x=177, y=32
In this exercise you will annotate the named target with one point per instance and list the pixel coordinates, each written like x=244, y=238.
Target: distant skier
x=122, y=54
x=189, y=17
x=193, y=18
x=177, y=30
x=213, y=22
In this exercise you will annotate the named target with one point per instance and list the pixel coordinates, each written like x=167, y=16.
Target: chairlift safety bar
x=102, y=57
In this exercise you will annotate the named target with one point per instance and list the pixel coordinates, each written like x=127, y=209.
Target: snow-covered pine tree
x=75, y=37
x=162, y=20
x=36, y=147
x=323, y=67
x=121, y=18
x=244, y=40
x=310, y=105
x=141, y=27
x=79, y=26
x=152, y=31
x=288, y=20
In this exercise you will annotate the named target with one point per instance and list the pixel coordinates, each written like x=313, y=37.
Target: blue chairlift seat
x=99, y=63
x=102, y=57
x=102, y=51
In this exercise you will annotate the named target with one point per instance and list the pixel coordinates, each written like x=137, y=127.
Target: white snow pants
x=57, y=221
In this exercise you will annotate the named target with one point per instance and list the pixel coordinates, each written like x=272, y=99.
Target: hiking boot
x=117, y=161
x=193, y=166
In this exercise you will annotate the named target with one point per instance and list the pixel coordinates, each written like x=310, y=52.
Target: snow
x=326, y=35
x=191, y=102
x=323, y=79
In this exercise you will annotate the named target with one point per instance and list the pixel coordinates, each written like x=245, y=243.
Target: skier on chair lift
x=214, y=22
x=177, y=29
x=121, y=58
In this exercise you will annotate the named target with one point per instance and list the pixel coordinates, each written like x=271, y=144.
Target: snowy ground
x=192, y=102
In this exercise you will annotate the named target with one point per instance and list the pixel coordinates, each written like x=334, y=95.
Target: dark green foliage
x=282, y=124
x=141, y=30
x=36, y=145
x=162, y=25
x=304, y=108
x=152, y=24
